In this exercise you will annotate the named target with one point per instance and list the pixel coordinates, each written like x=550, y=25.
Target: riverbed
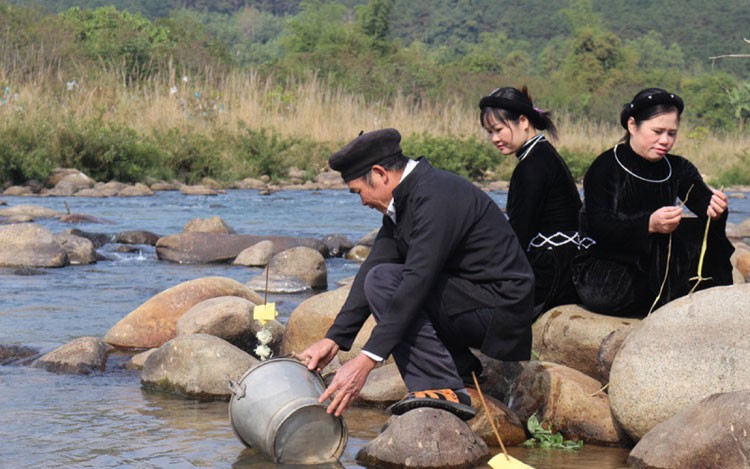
x=108, y=420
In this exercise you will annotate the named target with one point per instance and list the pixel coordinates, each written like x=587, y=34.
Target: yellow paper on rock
x=500, y=461
x=265, y=313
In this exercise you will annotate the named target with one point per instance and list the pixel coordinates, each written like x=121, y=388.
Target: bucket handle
x=237, y=389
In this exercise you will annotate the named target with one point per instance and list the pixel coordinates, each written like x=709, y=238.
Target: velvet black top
x=459, y=254
x=542, y=197
x=622, y=190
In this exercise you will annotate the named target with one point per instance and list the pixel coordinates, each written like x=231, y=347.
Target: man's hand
x=319, y=354
x=665, y=220
x=347, y=383
x=718, y=204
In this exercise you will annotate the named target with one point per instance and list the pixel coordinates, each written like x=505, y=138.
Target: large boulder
x=206, y=248
x=34, y=211
x=256, y=255
x=310, y=321
x=683, y=352
x=199, y=366
x=30, y=245
x=569, y=400
x=80, y=250
x=154, y=322
x=572, y=336
x=84, y=355
x=712, y=434
x=425, y=438
x=229, y=318
x=303, y=262
x=507, y=423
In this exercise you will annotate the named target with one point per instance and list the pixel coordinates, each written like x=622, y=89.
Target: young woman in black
x=647, y=251
x=543, y=201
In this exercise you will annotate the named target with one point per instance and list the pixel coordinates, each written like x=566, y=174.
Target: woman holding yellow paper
x=646, y=251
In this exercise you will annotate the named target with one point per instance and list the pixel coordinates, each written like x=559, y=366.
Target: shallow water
x=107, y=420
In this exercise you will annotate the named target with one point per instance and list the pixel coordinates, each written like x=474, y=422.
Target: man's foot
x=458, y=403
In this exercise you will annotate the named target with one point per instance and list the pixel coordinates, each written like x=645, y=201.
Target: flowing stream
x=107, y=420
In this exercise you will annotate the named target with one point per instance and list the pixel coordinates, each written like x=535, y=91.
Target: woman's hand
x=718, y=204
x=665, y=220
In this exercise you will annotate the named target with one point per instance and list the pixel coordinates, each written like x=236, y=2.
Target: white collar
x=410, y=165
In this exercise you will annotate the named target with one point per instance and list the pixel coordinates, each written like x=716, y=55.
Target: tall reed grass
x=217, y=107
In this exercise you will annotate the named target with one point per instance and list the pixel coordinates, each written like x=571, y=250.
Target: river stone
x=98, y=239
x=276, y=283
x=369, y=238
x=303, y=262
x=59, y=174
x=686, y=350
x=338, y=245
x=137, y=237
x=30, y=245
x=136, y=190
x=10, y=354
x=198, y=366
x=18, y=191
x=384, y=386
x=154, y=322
x=137, y=361
x=358, y=253
x=208, y=225
x=509, y=426
x=205, y=248
x=330, y=179
x=424, y=438
x=82, y=356
x=256, y=255
x=741, y=261
x=611, y=345
x=311, y=319
x=33, y=211
x=20, y=219
x=80, y=250
x=197, y=190
x=571, y=401
x=229, y=318
x=572, y=336
x=712, y=434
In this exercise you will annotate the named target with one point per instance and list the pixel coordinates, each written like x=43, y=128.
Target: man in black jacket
x=445, y=274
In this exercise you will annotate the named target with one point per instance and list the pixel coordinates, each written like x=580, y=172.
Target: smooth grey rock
x=30, y=245
x=84, y=355
x=303, y=262
x=712, y=434
x=686, y=350
x=425, y=438
x=199, y=366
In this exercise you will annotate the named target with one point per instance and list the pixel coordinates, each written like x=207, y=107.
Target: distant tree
x=374, y=20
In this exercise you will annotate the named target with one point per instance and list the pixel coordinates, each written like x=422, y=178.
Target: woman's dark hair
x=647, y=104
x=508, y=104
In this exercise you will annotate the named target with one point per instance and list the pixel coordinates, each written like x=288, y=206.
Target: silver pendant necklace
x=669, y=165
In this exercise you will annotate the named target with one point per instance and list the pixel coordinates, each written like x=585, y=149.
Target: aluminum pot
x=274, y=408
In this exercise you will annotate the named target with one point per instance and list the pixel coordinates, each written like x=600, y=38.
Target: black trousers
x=435, y=351
x=612, y=287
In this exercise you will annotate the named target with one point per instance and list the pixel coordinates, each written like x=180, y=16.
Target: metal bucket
x=275, y=409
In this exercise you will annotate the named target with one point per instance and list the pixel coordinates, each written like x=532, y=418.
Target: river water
x=107, y=420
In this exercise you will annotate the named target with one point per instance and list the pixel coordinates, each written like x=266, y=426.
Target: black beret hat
x=368, y=149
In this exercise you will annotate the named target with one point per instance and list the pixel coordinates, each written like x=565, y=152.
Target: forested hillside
x=580, y=58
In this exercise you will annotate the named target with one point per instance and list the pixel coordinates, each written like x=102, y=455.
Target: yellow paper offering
x=265, y=313
x=501, y=461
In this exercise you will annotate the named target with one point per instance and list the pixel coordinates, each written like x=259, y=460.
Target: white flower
x=264, y=336
x=71, y=85
x=185, y=79
x=173, y=90
x=263, y=351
